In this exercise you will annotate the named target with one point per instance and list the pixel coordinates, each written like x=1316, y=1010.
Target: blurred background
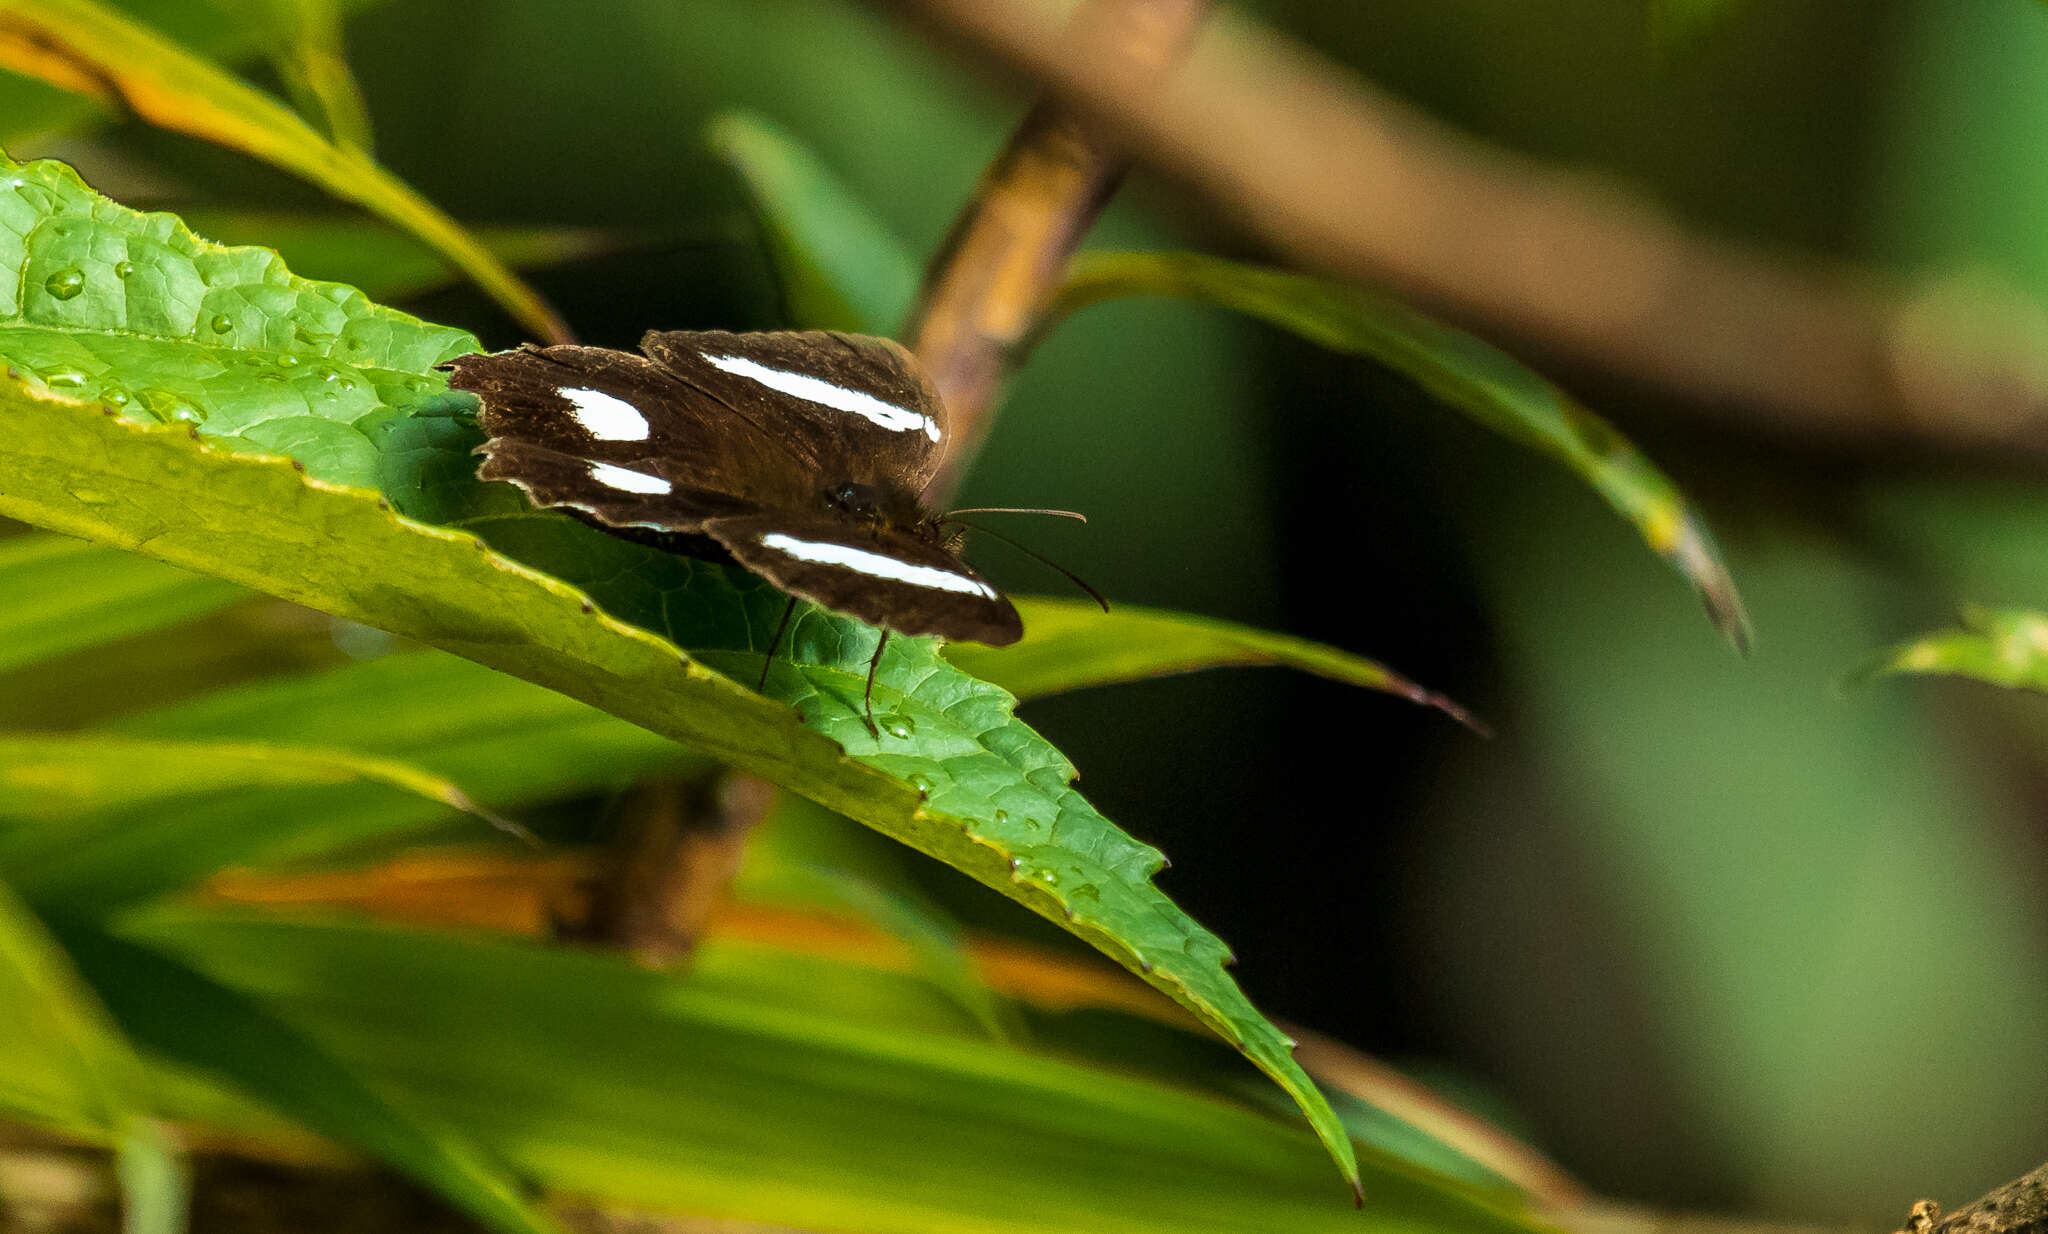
x=1715, y=932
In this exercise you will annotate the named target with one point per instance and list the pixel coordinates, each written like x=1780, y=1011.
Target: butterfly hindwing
x=886, y=577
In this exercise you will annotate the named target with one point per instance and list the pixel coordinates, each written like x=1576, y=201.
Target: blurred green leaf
x=155, y=1189
x=699, y=1095
x=975, y=788
x=86, y=46
x=385, y=263
x=1677, y=26
x=507, y=740
x=839, y=265
x=97, y=821
x=2005, y=647
x=59, y=595
x=63, y=1063
x=1477, y=379
x=1073, y=644
x=133, y=311
x=304, y=43
x=170, y=1009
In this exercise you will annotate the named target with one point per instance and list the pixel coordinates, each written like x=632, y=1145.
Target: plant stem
x=1007, y=253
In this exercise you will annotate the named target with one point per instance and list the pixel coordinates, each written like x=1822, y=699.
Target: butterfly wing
x=884, y=577
x=854, y=408
x=618, y=437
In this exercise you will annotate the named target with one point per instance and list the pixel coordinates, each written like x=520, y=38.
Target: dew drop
x=899, y=726
x=348, y=383
x=923, y=783
x=114, y=396
x=1002, y=818
x=65, y=379
x=186, y=413
x=287, y=360
x=221, y=323
x=327, y=372
x=64, y=285
x=123, y=269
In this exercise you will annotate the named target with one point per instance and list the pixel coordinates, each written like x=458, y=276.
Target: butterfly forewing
x=885, y=577
x=855, y=408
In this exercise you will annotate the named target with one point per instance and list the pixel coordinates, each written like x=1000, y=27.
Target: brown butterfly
x=802, y=455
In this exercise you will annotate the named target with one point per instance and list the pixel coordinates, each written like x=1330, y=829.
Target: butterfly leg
x=868, y=699
x=768, y=656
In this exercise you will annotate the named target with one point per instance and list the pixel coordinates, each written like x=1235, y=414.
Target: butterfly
x=800, y=455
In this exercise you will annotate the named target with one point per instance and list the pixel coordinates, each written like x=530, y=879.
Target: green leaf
x=155, y=1187
x=508, y=741
x=91, y=822
x=1071, y=644
x=87, y=46
x=736, y=1092
x=1474, y=377
x=59, y=595
x=2005, y=647
x=133, y=311
x=387, y=264
x=839, y=265
x=187, y=1017
x=63, y=1063
x=966, y=782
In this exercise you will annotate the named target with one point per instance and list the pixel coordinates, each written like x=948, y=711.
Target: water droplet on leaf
x=65, y=379
x=923, y=783
x=221, y=323
x=114, y=396
x=65, y=284
x=122, y=269
x=898, y=725
x=287, y=360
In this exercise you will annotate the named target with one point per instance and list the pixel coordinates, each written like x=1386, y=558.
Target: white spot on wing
x=606, y=417
x=876, y=565
x=838, y=398
x=626, y=480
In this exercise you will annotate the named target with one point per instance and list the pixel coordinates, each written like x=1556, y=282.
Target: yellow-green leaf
x=91, y=48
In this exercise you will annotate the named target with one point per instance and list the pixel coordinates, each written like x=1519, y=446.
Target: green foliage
x=840, y=267
x=792, y=1096
x=1461, y=371
x=952, y=772
x=84, y=45
x=134, y=312
x=59, y=595
x=2005, y=647
x=1073, y=644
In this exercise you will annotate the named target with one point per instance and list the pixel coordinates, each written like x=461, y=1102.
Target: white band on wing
x=876, y=565
x=838, y=398
x=626, y=480
x=606, y=417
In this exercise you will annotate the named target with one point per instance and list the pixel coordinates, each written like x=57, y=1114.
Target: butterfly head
x=883, y=508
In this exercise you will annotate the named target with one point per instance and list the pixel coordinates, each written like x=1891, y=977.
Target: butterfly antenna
x=1037, y=556
x=1076, y=515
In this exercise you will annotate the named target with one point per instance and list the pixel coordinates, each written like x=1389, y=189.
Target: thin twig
x=1342, y=179
x=1007, y=252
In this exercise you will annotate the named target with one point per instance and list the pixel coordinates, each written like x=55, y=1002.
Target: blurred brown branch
x=1008, y=250
x=1342, y=179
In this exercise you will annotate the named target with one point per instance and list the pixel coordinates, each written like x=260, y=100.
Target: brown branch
x=2019, y=1207
x=1008, y=250
x=671, y=861
x=1341, y=178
